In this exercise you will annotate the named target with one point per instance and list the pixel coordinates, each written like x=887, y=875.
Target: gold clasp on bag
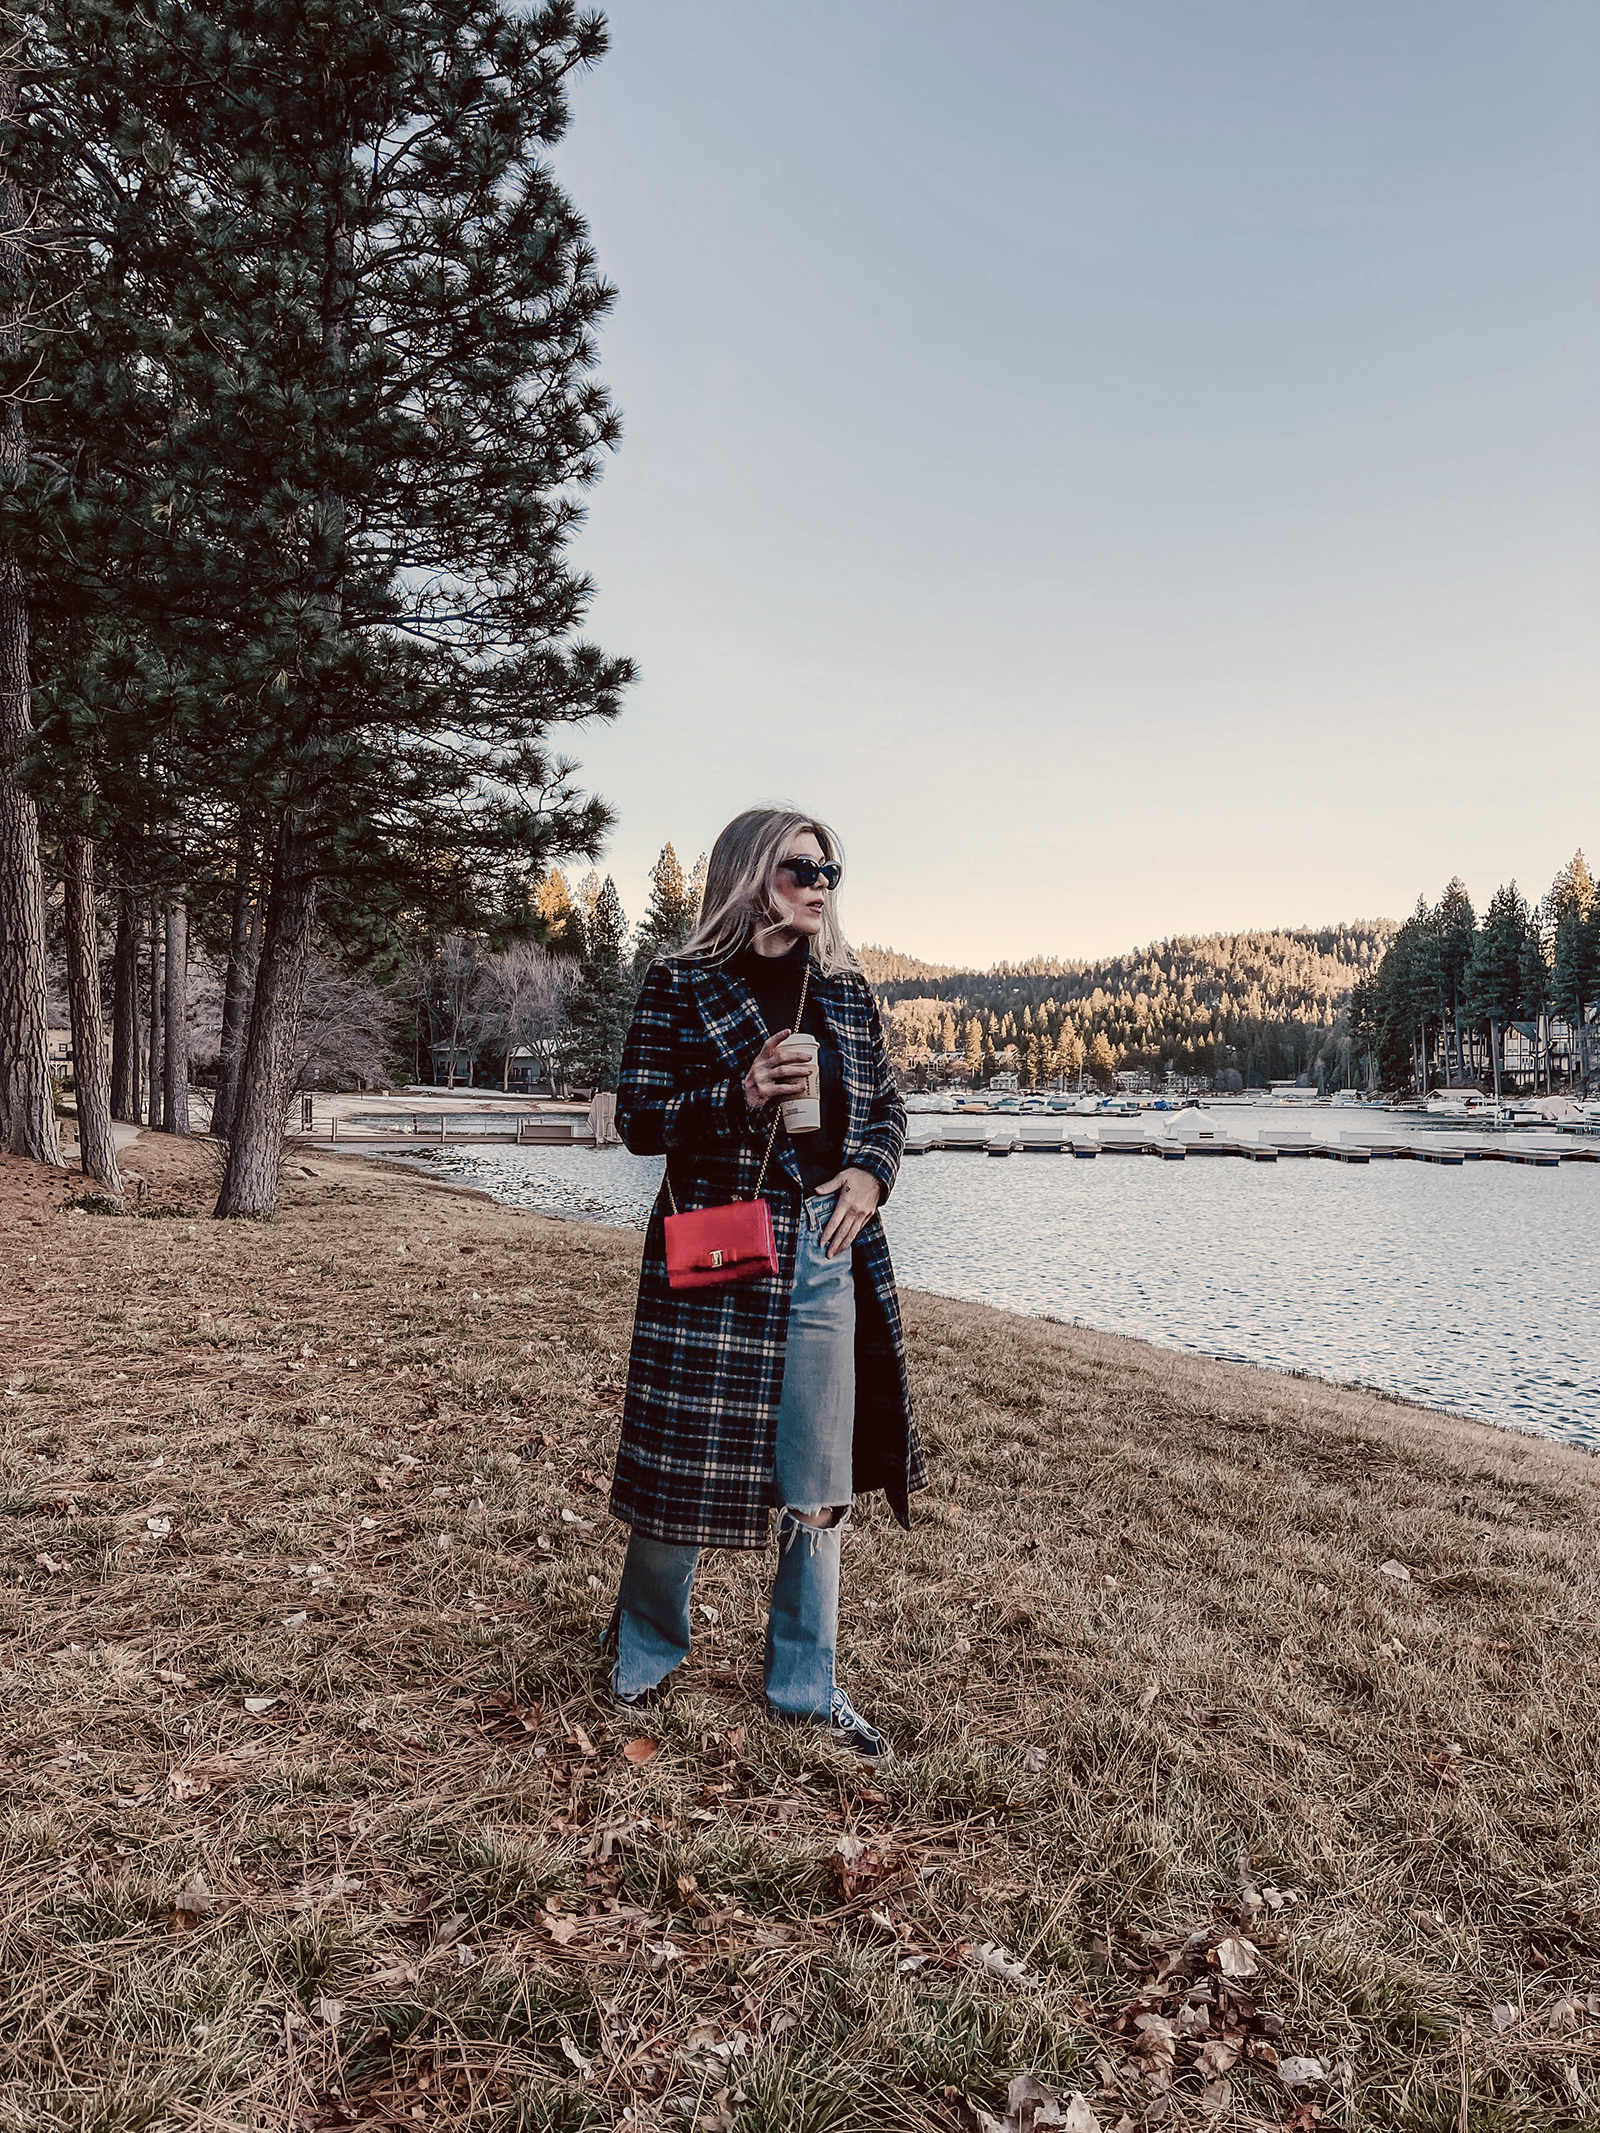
x=716, y=1259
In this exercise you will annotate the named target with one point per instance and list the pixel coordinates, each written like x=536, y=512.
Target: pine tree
x=600, y=1005
x=1455, y=924
x=552, y=905
x=27, y=1108
x=1572, y=894
x=670, y=918
x=972, y=1057
x=1495, y=978
x=1102, y=1060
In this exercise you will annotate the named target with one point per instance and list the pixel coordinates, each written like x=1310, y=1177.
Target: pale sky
x=1131, y=465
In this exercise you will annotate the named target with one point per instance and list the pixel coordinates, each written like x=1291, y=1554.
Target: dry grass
x=1148, y=1679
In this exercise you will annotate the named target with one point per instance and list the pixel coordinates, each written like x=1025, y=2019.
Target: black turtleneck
x=775, y=982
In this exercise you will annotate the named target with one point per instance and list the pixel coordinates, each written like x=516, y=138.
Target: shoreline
x=309, y=1559
x=417, y=1166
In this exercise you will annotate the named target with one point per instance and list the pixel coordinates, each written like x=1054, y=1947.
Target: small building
x=58, y=1047
x=526, y=1073
x=451, y=1066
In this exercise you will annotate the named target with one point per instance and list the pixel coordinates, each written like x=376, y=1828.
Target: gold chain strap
x=777, y=1116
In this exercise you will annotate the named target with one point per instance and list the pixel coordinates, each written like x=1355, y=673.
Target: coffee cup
x=803, y=1114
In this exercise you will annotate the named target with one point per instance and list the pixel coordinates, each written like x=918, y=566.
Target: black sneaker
x=845, y=1724
x=644, y=1699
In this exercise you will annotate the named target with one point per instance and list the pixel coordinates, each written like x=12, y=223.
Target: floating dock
x=1360, y=1146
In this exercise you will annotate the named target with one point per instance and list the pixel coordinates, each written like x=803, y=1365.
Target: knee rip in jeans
x=813, y=1520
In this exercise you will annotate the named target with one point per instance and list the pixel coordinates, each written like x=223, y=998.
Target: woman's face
x=802, y=908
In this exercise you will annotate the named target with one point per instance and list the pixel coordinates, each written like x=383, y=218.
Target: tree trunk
x=175, y=1097
x=255, y=1148
x=96, y=1149
x=125, y=1013
x=27, y=1100
x=154, y=1021
x=236, y=993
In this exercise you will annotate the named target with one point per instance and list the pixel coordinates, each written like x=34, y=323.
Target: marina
x=1240, y=1131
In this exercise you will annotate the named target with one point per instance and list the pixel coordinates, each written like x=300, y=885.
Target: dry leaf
x=329, y=2012
x=160, y=1527
x=1035, y=1758
x=1301, y=2073
x=258, y=1704
x=1155, y=2037
x=192, y=1903
x=1395, y=1570
x=1237, y=1958
x=1216, y=2057
x=1503, y=2017
x=52, y=1563
x=1031, y=2107
x=570, y=2050
x=995, y=1961
x=642, y=1750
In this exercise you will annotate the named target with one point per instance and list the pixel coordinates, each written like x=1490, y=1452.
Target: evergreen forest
x=1448, y=999
x=1262, y=1006
x=1460, y=1001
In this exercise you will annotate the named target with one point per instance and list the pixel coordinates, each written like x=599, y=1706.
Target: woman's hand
x=774, y=1080
x=859, y=1193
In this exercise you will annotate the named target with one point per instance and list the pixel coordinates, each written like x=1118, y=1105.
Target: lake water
x=1475, y=1289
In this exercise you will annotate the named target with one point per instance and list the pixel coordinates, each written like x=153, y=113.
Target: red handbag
x=711, y=1247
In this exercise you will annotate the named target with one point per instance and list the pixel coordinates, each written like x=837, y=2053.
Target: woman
x=787, y=1393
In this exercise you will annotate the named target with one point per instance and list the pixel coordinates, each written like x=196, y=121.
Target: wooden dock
x=1035, y=1135
x=421, y=1129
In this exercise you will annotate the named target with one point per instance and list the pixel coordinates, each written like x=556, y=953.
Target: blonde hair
x=740, y=897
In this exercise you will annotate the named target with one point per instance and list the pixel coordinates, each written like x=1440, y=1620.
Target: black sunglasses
x=809, y=872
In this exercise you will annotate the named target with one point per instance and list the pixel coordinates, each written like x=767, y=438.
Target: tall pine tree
x=600, y=1004
x=674, y=906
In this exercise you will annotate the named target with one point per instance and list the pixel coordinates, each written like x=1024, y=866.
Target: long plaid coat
x=705, y=1374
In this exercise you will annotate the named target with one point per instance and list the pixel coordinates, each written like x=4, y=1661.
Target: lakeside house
x=523, y=1074
x=58, y=1048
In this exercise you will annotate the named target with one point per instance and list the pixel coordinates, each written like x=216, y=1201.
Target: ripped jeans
x=812, y=1473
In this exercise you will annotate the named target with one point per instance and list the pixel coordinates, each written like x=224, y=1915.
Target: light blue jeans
x=812, y=1474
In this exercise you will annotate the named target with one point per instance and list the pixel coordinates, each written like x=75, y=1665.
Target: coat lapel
x=732, y=1020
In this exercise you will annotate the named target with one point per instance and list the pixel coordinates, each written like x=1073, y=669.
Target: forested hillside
x=1270, y=1004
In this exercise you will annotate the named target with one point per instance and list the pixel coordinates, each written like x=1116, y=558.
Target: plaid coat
x=705, y=1375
